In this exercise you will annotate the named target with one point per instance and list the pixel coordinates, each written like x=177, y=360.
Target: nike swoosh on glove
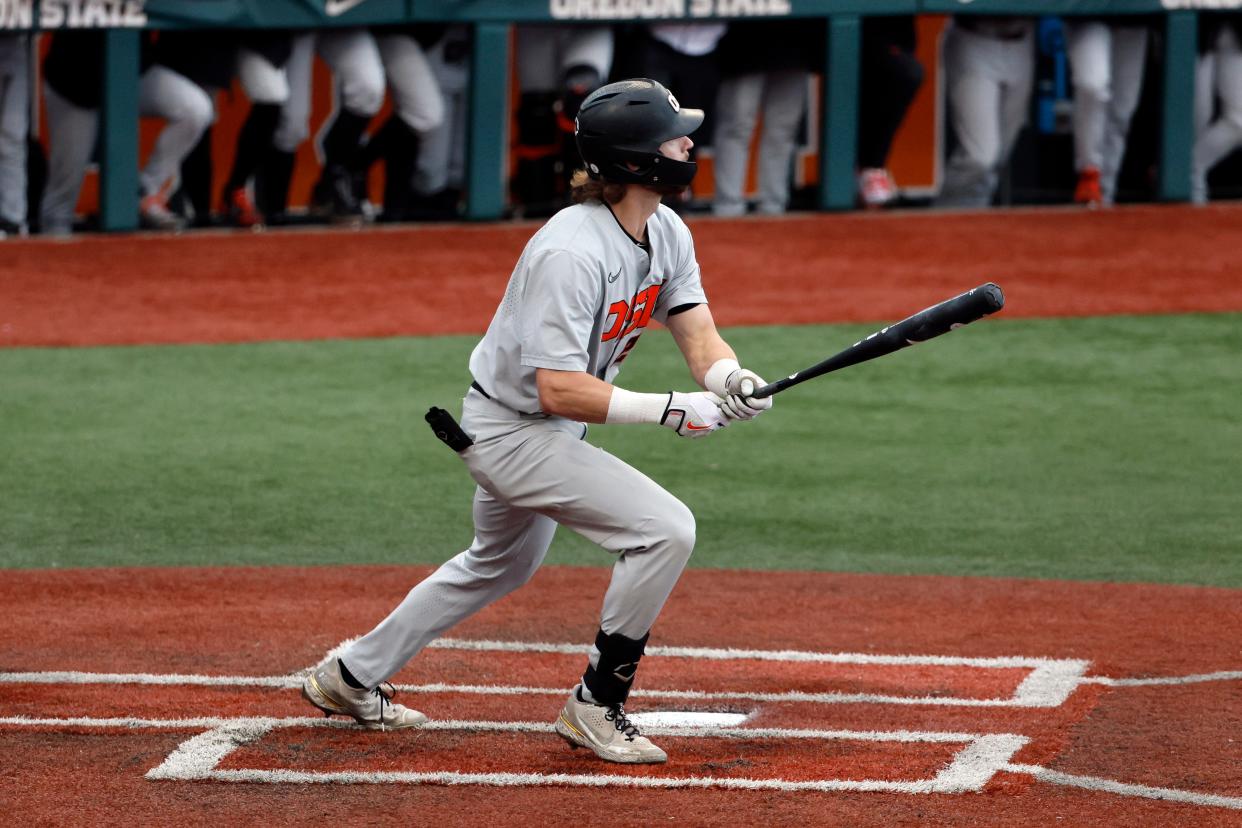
x=696, y=414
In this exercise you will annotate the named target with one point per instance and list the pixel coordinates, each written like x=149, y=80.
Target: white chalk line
x=198, y=758
x=295, y=681
x=971, y=769
x=1095, y=783
x=1049, y=684
x=1155, y=681
x=266, y=723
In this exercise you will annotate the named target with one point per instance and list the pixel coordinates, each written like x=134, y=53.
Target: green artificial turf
x=1102, y=448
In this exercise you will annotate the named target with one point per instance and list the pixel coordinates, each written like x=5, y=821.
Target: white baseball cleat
x=605, y=730
x=373, y=709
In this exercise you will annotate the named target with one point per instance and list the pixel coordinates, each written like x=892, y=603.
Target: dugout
x=1165, y=121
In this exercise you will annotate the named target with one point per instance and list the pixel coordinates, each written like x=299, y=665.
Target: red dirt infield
x=169, y=696
x=173, y=627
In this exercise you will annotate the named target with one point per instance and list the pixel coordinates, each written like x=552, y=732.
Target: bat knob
x=994, y=295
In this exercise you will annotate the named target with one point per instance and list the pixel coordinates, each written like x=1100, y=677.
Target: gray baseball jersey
x=580, y=297
x=578, y=300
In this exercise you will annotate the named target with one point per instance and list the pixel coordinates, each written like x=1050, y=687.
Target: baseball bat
x=922, y=326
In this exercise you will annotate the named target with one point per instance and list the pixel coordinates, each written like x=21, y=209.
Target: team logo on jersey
x=627, y=317
x=673, y=103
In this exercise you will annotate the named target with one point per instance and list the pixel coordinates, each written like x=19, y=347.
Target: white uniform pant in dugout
x=1107, y=63
x=533, y=475
x=988, y=80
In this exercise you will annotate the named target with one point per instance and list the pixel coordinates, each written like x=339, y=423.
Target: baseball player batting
x=581, y=295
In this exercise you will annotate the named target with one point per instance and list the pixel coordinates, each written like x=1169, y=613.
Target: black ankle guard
x=609, y=681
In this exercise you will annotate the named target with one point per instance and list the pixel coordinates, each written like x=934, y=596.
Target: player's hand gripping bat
x=922, y=326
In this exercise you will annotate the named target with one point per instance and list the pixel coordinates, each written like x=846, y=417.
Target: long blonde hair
x=584, y=188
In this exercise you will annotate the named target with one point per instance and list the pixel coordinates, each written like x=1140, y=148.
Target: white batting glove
x=697, y=414
x=738, y=403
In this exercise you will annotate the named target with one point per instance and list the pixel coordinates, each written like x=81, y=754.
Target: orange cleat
x=1088, y=190
x=242, y=212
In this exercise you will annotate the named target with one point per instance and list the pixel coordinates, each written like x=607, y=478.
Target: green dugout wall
x=490, y=63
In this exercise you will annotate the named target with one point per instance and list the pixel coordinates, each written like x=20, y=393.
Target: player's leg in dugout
x=1128, y=59
x=1015, y=104
x=71, y=140
x=188, y=110
x=1219, y=138
x=737, y=110
x=784, y=101
x=14, y=122
x=974, y=74
x=1089, y=46
x=532, y=479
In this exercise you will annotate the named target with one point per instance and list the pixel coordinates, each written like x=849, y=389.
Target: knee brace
x=611, y=673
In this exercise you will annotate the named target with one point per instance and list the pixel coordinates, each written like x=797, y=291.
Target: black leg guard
x=610, y=678
x=196, y=179
x=271, y=184
x=379, y=144
x=400, y=160
x=334, y=194
x=253, y=143
x=340, y=145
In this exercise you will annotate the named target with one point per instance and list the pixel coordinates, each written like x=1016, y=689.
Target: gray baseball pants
x=989, y=83
x=531, y=478
x=782, y=97
x=14, y=124
x=1107, y=61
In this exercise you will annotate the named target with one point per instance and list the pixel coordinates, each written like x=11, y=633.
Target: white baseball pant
x=989, y=81
x=354, y=59
x=163, y=93
x=188, y=110
x=416, y=94
x=1219, y=73
x=783, y=96
x=1106, y=61
x=532, y=478
x=442, y=157
x=544, y=53
x=14, y=125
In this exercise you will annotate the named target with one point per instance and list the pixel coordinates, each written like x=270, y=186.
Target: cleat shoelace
x=616, y=715
x=385, y=698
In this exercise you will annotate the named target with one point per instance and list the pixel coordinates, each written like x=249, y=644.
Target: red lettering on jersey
x=633, y=315
x=621, y=310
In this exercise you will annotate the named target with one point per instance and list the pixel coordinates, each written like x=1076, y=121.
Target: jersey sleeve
x=682, y=286
x=558, y=311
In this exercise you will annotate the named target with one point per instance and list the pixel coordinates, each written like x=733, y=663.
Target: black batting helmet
x=621, y=126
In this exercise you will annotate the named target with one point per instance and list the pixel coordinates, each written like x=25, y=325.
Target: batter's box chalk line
x=1048, y=684
x=970, y=769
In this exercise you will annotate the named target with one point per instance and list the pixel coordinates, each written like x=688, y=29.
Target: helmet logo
x=594, y=169
x=576, y=127
x=673, y=103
